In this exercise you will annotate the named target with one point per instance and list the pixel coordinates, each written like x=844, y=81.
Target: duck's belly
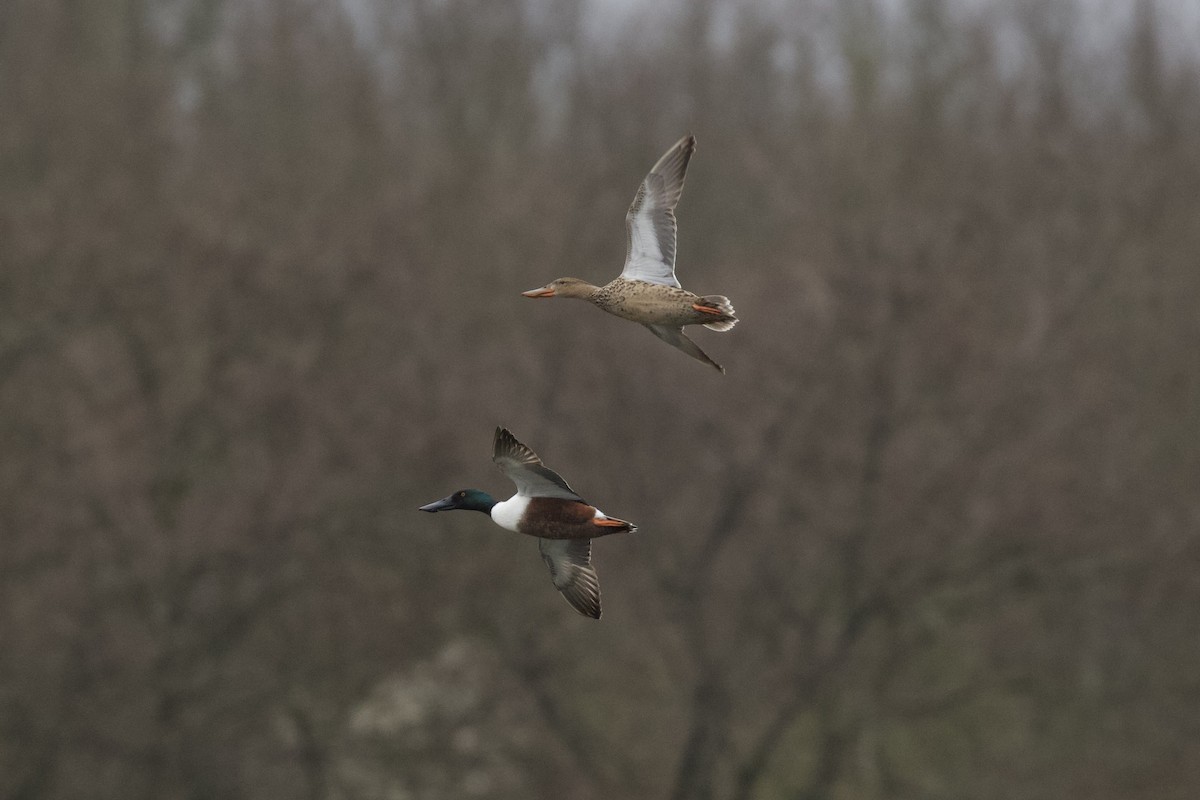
x=663, y=305
x=547, y=517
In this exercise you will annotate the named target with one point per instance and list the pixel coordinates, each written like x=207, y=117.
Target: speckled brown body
x=650, y=303
x=555, y=518
x=647, y=291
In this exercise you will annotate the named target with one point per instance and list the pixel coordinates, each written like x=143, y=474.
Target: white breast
x=508, y=514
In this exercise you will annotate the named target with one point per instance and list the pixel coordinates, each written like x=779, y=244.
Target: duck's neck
x=581, y=291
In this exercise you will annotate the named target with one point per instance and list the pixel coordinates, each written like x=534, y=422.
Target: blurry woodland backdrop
x=935, y=535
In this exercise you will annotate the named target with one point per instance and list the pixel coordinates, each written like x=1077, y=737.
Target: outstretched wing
x=677, y=338
x=650, y=223
x=525, y=469
x=570, y=563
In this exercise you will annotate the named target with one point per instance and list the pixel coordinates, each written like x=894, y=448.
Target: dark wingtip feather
x=506, y=445
x=584, y=599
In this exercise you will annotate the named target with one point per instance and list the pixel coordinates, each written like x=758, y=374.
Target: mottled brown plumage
x=647, y=290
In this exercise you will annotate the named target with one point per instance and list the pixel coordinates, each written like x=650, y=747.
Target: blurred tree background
x=935, y=535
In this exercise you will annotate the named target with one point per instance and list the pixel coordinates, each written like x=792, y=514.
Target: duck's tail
x=717, y=304
x=614, y=525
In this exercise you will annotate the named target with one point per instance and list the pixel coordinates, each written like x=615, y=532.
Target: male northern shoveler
x=647, y=290
x=546, y=507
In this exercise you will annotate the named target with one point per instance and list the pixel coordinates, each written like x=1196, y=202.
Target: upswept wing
x=525, y=469
x=570, y=563
x=650, y=223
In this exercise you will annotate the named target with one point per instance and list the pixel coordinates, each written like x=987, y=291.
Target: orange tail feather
x=609, y=522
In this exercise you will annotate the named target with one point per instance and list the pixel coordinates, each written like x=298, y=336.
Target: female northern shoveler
x=546, y=507
x=647, y=290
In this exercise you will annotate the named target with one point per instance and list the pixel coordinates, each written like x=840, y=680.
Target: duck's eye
x=462, y=494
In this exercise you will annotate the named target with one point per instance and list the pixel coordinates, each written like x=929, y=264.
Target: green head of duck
x=463, y=499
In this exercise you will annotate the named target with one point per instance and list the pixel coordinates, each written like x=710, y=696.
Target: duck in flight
x=547, y=508
x=647, y=290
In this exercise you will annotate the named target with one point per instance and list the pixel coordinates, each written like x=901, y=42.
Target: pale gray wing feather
x=525, y=469
x=677, y=338
x=570, y=563
x=650, y=224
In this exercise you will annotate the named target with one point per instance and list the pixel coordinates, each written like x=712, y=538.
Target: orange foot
x=609, y=522
x=707, y=309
